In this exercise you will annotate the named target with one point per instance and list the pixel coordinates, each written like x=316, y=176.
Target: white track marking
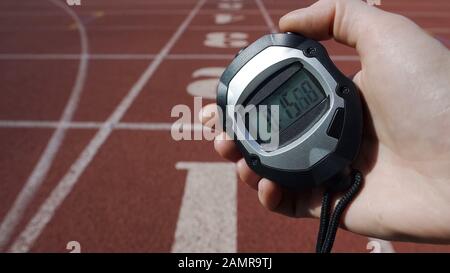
x=45, y=57
x=45, y=213
x=120, y=12
x=57, y=56
x=200, y=57
x=229, y=28
x=47, y=124
x=156, y=126
x=41, y=169
x=266, y=16
x=38, y=4
x=155, y=27
x=380, y=246
x=111, y=12
x=121, y=28
x=208, y=219
x=125, y=57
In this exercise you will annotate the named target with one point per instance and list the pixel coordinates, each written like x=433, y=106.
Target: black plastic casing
x=336, y=162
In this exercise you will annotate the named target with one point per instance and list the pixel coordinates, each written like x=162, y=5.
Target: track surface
x=85, y=115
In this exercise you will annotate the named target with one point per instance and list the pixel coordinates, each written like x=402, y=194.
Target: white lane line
x=149, y=27
x=200, y=56
x=122, y=56
x=208, y=215
x=266, y=16
x=45, y=213
x=229, y=28
x=44, y=57
x=47, y=124
x=40, y=171
x=380, y=246
x=156, y=126
x=100, y=56
x=118, y=28
x=121, y=12
x=56, y=56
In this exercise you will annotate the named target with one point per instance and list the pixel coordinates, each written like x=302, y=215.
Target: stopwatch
x=316, y=117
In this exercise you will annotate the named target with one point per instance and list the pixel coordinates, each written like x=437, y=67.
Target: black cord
x=324, y=220
x=328, y=227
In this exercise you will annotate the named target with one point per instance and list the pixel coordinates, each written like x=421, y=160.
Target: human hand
x=405, y=155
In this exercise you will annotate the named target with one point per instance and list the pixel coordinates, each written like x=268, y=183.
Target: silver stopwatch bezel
x=312, y=145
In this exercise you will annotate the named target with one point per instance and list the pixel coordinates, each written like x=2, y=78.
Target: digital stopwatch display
x=296, y=97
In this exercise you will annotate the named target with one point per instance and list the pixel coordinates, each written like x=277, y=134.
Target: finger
x=226, y=147
x=247, y=175
x=357, y=80
x=269, y=194
x=286, y=201
x=300, y=204
x=223, y=144
x=208, y=114
x=347, y=21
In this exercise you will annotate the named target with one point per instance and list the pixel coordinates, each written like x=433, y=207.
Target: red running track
x=85, y=115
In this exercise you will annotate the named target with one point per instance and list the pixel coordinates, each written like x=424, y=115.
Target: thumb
x=347, y=21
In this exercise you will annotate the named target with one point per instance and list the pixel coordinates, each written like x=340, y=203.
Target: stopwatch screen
x=296, y=97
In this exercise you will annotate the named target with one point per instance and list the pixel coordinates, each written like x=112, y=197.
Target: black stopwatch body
x=319, y=144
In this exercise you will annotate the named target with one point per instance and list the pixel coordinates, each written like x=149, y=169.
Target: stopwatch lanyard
x=329, y=221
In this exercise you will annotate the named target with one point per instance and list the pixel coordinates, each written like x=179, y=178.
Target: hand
x=405, y=155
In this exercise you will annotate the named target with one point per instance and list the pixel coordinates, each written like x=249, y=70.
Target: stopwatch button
x=254, y=160
x=335, y=127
